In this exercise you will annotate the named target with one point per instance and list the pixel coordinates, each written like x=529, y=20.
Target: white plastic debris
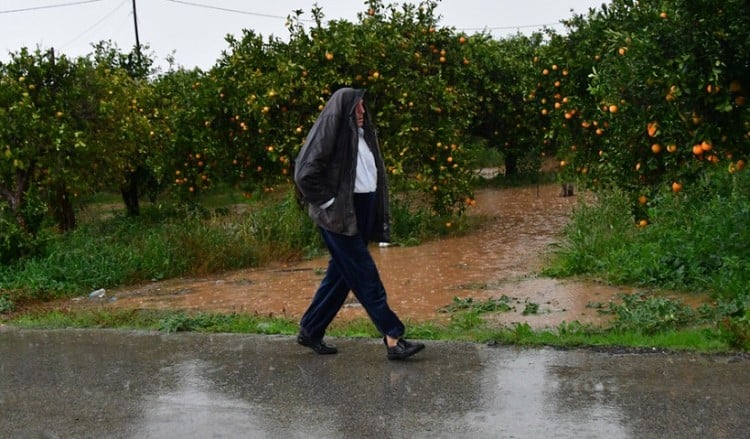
x=98, y=294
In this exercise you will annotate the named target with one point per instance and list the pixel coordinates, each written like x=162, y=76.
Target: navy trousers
x=351, y=268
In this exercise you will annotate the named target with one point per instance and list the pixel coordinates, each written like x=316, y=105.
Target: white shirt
x=366, y=179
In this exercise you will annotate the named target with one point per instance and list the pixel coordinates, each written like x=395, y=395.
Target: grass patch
x=466, y=325
x=696, y=241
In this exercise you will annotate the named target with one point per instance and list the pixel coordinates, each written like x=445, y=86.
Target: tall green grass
x=695, y=241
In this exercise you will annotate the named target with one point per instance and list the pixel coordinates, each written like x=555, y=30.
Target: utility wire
x=109, y=14
x=511, y=27
x=258, y=14
x=59, y=5
x=255, y=14
x=218, y=8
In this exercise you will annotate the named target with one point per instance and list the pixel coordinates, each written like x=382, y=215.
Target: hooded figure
x=325, y=168
x=340, y=173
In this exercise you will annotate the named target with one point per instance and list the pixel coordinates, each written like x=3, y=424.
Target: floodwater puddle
x=501, y=258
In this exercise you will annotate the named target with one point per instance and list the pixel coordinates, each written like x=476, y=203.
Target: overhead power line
x=258, y=14
x=511, y=27
x=58, y=5
x=237, y=11
x=97, y=23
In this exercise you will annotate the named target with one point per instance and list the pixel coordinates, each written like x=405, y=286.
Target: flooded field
x=502, y=258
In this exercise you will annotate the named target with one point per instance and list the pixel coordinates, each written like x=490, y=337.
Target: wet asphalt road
x=103, y=383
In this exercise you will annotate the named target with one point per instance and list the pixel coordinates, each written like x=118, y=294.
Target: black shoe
x=403, y=349
x=319, y=346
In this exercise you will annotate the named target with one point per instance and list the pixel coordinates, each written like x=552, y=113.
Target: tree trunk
x=16, y=196
x=129, y=193
x=62, y=209
x=511, y=165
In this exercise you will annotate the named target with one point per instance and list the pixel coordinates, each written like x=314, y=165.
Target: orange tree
x=184, y=138
x=656, y=94
x=507, y=117
x=69, y=129
x=417, y=90
x=47, y=104
x=131, y=129
x=262, y=106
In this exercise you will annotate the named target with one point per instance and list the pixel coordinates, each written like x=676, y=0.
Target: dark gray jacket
x=326, y=165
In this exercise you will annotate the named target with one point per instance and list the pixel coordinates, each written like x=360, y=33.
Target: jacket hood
x=342, y=102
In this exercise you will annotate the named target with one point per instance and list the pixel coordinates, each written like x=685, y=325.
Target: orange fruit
x=672, y=147
x=642, y=223
x=676, y=187
x=740, y=165
x=651, y=128
x=613, y=108
x=706, y=146
x=697, y=150
x=642, y=200
x=656, y=148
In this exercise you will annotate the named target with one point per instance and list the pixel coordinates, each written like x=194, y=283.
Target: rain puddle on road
x=499, y=259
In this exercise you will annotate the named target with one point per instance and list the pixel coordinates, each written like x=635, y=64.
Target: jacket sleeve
x=313, y=171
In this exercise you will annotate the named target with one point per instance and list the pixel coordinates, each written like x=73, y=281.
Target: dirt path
x=500, y=259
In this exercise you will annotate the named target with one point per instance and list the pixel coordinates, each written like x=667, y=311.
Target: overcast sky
x=194, y=30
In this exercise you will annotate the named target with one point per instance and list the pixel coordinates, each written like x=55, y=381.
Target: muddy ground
x=502, y=258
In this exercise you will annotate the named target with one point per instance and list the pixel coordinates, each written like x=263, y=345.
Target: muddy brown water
x=501, y=258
